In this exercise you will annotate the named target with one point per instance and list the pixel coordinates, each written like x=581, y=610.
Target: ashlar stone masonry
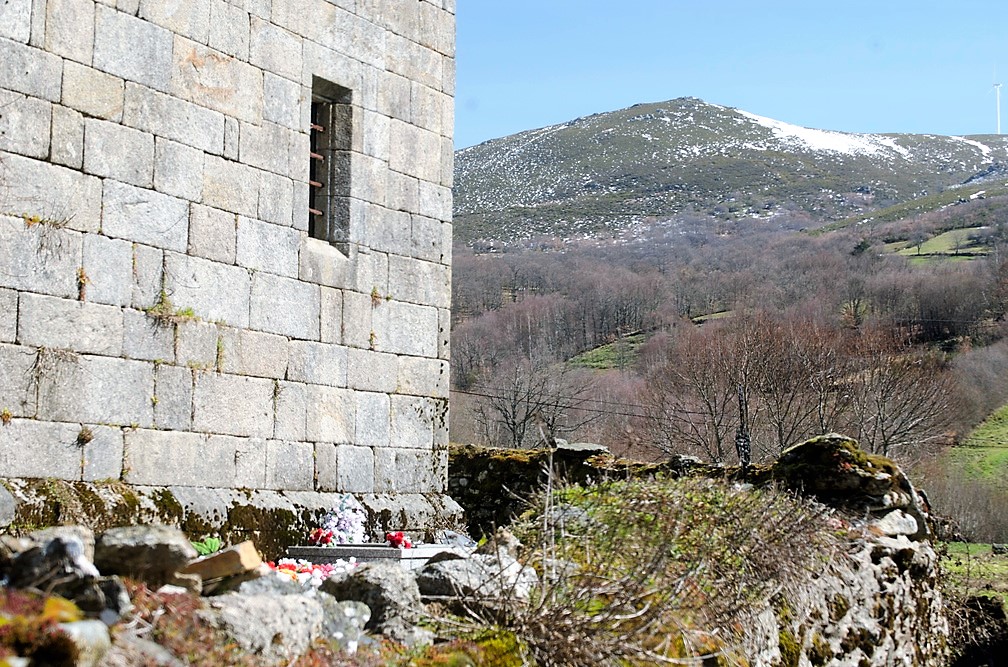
x=225, y=243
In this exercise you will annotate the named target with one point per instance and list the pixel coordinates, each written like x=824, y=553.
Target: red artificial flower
x=398, y=539
x=321, y=536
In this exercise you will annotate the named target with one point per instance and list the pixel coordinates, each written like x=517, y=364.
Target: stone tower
x=225, y=245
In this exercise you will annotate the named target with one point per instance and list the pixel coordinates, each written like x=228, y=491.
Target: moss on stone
x=820, y=653
x=838, y=606
x=500, y=648
x=789, y=647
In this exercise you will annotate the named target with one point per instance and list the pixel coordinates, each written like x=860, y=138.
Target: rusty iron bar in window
x=318, y=128
x=315, y=184
x=315, y=212
x=316, y=156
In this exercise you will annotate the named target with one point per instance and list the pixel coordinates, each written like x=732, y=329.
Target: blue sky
x=882, y=66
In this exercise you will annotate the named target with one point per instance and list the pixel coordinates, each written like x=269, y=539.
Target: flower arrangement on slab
x=311, y=574
x=343, y=525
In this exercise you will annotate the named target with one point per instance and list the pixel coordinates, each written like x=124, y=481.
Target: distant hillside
x=610, y=170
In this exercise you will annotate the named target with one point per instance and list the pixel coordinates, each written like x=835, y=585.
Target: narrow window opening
x=329, y=163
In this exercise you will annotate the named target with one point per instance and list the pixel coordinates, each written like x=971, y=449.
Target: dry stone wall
x=167, y=314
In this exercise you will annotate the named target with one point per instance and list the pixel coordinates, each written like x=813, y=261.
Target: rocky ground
x=736, y=567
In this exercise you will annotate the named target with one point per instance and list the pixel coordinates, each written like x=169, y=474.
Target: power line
x=581, y=406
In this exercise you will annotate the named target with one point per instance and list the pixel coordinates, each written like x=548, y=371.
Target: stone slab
x=290, y=465
x=236, y=559
x=262, y=246
x=30, y=71
x=15, y=20
x=67, y=143
x=329, y=415
x=229, y=30
x=173, y=118
x=95, y=390
x=178, y=170
x=30, y=448
x=285, y=306
x=411, y=559
x=233, y=405
x=212, y=233
x=231, y=186
x=142, y=215
x=146, y=338
x=40, y=259
x=24, y=124
x=173, y=386
x=173, y=457
x=345, y=468
x=215, y=80
x=132, y=49
x=317, y=363
x=70, y=26
x=373, y=419
x=93, y=92
x=17, y=380
x=46, y=321
x=103, y=453
x=66, y=198
x=108, y=266
x=291, y=411
x=8, y=315
x=115, y=151
x=190, y=18
x=216, y=292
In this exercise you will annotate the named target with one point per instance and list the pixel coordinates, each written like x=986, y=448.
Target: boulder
x=92, y=640
x=153, y=554
x=837, y=472
x=51, y=565
x=83, y=534
x=482, y=578
x=895, y=523
x=104, y=598
x=130, y=650
x=503, y=540
x=343, y=621
x=58, y=566
x=276, y=627
x=390, y=592
x=226, y=569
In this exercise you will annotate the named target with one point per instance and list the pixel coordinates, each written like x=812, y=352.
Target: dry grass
x=656, y=572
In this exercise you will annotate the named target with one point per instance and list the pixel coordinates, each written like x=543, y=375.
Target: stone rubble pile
x=265, y=614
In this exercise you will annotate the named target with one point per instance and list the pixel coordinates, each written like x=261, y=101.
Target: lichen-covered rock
x=154, y=554
x=389, y=591
x=833, y=469
x=876, y=605
x=277, y=627
x=479, y=579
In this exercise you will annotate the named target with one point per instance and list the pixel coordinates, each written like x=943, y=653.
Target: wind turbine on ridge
x=997, y=103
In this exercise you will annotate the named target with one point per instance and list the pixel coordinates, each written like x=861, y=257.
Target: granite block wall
x=167, y=315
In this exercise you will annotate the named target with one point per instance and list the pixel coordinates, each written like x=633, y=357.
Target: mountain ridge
x=607, y=171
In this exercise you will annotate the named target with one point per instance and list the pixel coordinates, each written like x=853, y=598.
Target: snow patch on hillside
x=985, y=149
x=826, y=140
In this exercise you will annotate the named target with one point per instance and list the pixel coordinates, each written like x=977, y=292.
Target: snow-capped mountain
x=614, y=169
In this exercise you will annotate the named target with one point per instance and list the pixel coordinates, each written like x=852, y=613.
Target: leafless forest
x=712, y=327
